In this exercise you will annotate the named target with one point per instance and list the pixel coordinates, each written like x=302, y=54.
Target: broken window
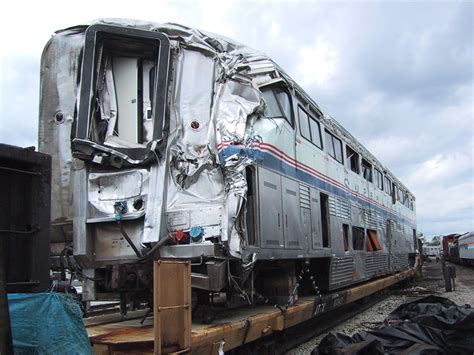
x=358, y=238
x=345, y=236
x=309, y=127
x=373, y=243
x=334, y=147
x=352, y=159
x=379, y=179
x=123, y=91
x=278, y=104
x=366, y=170
x=388, y=185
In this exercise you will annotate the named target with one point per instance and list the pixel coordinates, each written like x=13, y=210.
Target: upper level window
x=388, y=185
x=334, y=147
x=352, y=159
x=379, y=179
x=395, y=191
x=367, y=170
x=278, y=104
x=309, y=127
x=400, y=196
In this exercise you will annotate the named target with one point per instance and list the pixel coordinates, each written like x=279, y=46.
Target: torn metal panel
x=165, y=122
x=106, y=189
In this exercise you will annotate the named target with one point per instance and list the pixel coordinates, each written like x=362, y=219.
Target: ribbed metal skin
x=339, y=207
x=305, y=198
x=399, y=261
x=376, y=264
x=341, y=271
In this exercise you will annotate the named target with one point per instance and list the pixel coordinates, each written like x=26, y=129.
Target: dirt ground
x=432, y=282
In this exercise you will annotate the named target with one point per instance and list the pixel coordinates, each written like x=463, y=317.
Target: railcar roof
x=218, y=45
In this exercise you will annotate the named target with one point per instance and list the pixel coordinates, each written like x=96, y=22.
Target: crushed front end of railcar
x=135, y=116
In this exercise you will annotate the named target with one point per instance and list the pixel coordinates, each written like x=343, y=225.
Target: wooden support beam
x=172, y=305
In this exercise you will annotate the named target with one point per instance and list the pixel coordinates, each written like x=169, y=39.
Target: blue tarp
x=47, y=323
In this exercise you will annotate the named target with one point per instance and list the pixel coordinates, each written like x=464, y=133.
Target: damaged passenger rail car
x=176, y=143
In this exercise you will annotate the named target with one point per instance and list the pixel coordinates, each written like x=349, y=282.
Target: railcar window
x=379, y=179
x=358, y=238
x=406, y=200
x=367, y=170
x=352, y=159
x=388, y=185
x=395, y=190
x=278, y=104
x=315, y=132
x=373, y=243
x=334, y=147
x=304, y=124
x=309, y=128
x=401, y=196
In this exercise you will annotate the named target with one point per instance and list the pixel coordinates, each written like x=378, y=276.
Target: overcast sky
x=398, y=75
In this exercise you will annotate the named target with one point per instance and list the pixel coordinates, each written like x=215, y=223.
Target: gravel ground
x=431, y=283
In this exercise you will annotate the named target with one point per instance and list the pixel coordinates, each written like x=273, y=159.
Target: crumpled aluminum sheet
x=105, y=189
x=215, y=85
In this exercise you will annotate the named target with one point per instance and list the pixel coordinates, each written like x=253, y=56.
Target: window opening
x=304, y=124
x=352, y=159
x=315, y=132
x=366, y=170
x=388, y=185
x=373, y=243
x=400, y=195
x=379, y=179
x=324, y=205
x=358, y=238
x=334, y=147
x=278, y=104
x=309, y=127
x=345, y=236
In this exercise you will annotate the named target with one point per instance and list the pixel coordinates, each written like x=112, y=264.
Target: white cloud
x=317, y=63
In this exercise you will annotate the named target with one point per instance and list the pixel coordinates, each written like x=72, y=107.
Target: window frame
x=381, y=178
x=309, y=118
x=371, y=169
x=333, y=137
x=389, y=185
x=283, y=88
x=361, y=232
x=349, y=160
